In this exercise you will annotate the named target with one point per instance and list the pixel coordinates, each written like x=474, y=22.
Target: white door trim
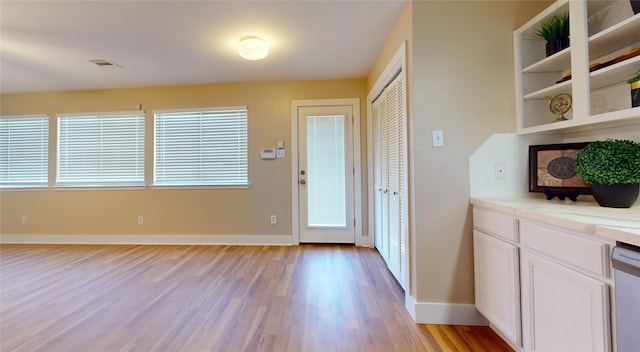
x=357, y=186
x=397, y=63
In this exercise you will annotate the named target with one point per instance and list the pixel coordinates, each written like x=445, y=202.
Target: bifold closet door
x=381, y=219
x=393, y=180
x=390, y=177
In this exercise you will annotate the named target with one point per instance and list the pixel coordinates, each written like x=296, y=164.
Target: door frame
x=397, y=63
x=357, y=176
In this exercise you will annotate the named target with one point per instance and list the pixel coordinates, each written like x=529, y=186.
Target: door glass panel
x=326, y=171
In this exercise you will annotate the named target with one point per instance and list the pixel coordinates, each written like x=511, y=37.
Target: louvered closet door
x=390, y=178
x=381, y=233
x=403, y=193
x=393, y=144
x=384, y=148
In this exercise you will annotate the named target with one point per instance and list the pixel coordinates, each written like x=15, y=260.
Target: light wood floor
x=212, y=298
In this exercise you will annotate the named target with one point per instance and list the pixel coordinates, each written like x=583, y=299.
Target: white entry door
x=326, y=174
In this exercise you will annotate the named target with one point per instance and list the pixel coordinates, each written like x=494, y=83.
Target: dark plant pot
x=635, y=5
x=635, y=94
x=619, y=195
x=555, y=45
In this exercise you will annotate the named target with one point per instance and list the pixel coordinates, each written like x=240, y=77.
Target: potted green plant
x=635, y=90
x=612, y=168
x=555, y=31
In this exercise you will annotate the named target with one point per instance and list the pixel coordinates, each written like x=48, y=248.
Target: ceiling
x=47, y=45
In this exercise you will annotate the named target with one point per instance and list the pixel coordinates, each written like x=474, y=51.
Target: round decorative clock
x=559, y=105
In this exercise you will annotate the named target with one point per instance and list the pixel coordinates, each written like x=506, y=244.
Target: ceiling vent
x=104, y=63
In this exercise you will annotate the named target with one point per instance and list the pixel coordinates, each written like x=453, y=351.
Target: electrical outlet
x=500, y=171
x=140, y=219
x=24, y=220
x=274, y=219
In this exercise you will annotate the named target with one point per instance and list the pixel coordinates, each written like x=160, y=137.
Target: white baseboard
x=444, y=313
x=246, y=240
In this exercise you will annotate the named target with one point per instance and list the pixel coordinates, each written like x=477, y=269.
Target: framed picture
x=552, y=170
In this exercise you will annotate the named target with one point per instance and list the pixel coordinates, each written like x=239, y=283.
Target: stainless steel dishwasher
x=626, y=264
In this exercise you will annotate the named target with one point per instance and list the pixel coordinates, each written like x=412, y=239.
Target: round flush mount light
x=253, y=48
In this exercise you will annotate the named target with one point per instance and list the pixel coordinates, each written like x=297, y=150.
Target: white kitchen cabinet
x=542, y=287
x=600, y=32
x=497, y=284
x=563, y=310
x=497, y=272
x=565, y=290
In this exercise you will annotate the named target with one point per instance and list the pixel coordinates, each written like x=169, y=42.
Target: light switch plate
x=438, y=138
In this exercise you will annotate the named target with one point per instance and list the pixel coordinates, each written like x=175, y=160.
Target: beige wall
x=400, y=33
x=463, y=84
x=460, y=80
x=166, y=211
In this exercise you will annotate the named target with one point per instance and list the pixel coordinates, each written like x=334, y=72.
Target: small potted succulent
x=635, y=90
x=555, y=31
x=612, y=168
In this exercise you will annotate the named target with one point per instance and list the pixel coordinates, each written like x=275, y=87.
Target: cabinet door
x=563, y=310
x=497, y=284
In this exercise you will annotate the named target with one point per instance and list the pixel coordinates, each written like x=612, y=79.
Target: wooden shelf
x=606, y=120
x=613, y=74
x=620, y=35
x=559, y=61
x=563, y=87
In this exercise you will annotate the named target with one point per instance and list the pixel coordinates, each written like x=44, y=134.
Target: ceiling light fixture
x=253, y=48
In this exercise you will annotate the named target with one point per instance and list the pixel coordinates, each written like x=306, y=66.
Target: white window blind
x=201, y=148
x=24, y=152
x=101, y=150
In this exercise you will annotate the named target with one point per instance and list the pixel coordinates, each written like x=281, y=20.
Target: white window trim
x=71, y=186
x=154, y=185
x=35, y=185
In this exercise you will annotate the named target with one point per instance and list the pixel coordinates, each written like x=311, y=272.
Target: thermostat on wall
x=267, y=153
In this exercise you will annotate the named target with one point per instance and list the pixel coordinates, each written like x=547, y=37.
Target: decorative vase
x=555, y=45
x=635, y=5
x=619, y=195
x=635, y=94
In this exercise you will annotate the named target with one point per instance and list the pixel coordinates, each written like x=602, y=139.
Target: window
x=201, y=148
x=101, y=150
x=24, y=151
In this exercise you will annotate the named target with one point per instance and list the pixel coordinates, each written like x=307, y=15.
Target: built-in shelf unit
x=601, y=32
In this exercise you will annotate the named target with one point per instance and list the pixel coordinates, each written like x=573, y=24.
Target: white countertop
x=613, y=223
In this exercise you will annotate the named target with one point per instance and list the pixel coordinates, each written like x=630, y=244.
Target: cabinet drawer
x=584, y=253
x=495, y=223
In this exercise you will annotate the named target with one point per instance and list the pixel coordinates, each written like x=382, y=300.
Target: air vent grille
x=104, y=63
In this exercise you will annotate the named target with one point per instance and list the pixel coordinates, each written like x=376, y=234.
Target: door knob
x=302, y=172
x=302, y=182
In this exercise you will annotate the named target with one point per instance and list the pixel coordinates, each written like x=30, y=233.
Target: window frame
x=45, y=130
x=195, y=185
x=138, y=152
